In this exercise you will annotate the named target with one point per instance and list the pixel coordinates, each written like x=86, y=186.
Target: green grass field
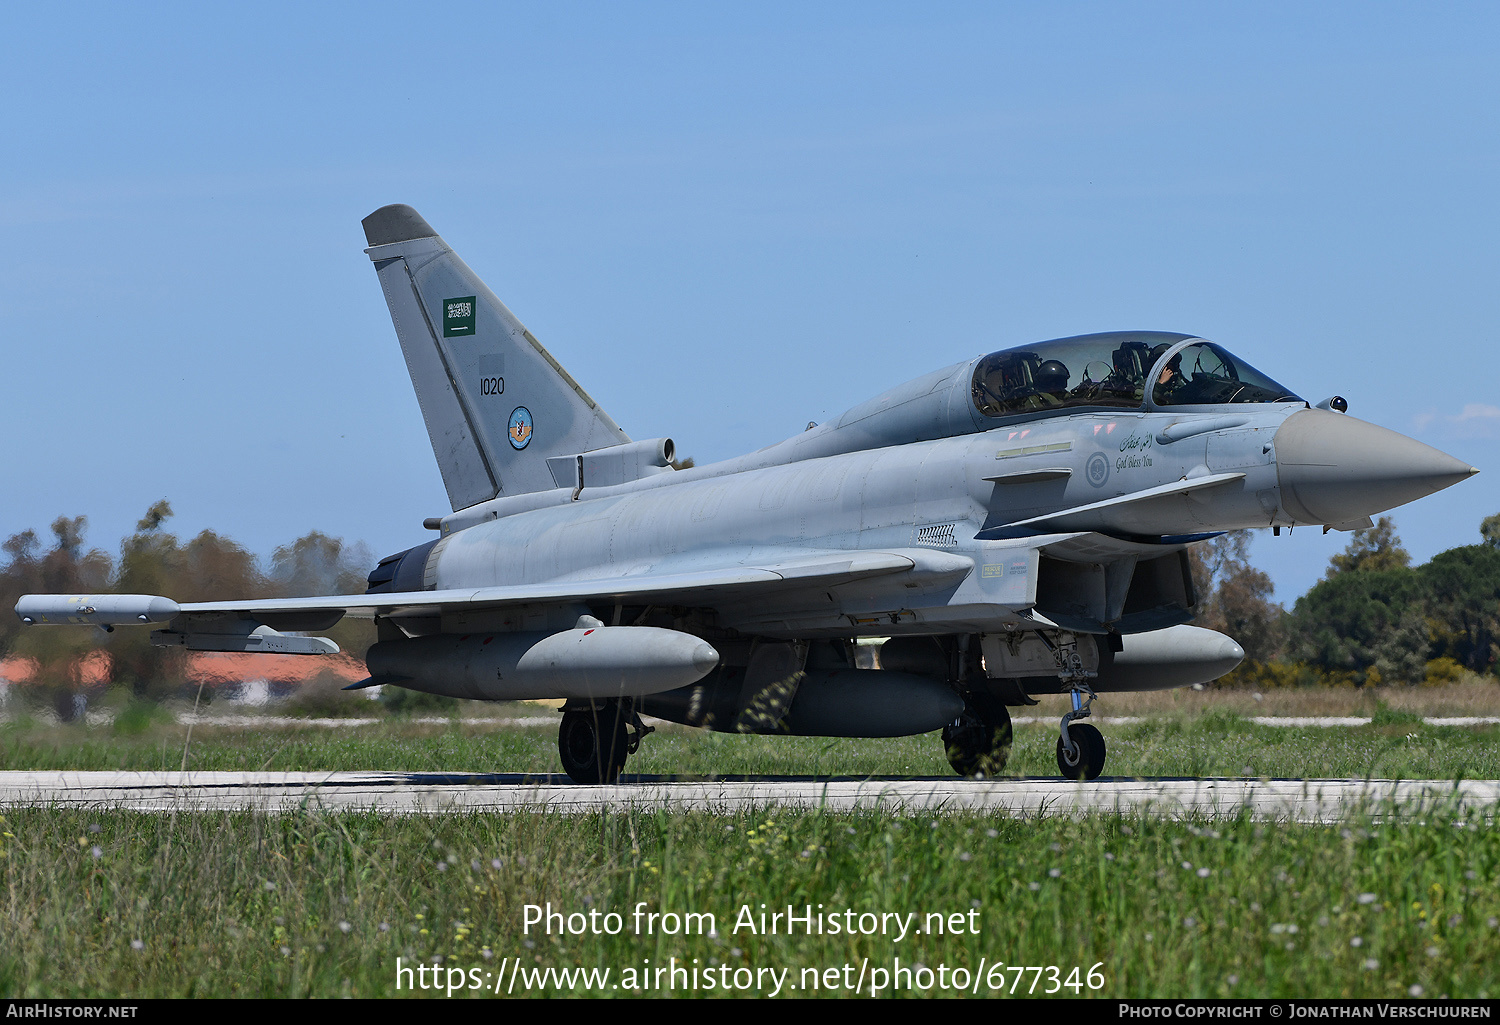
x=1389, y=904
x=1211, y=742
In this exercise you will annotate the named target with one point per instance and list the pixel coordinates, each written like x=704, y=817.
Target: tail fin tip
x=395, y=223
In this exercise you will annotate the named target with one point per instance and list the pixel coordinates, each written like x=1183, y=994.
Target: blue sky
x=724, y=220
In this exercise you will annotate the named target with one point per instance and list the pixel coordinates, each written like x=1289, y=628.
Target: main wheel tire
x=593, y=744
x=976, y=748
x=1088, y=758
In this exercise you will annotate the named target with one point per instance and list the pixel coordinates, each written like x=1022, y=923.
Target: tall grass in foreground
x=116, y=903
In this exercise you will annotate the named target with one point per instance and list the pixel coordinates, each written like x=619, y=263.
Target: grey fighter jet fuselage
x=1015, y=524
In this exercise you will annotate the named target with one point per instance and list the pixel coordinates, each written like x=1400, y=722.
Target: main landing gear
x=978, y=742
x=595, y=739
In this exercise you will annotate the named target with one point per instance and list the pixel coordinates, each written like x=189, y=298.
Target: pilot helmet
x=1175, y=363
x=1051, y=376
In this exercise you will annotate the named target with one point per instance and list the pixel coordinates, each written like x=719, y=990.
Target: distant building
x=259, y=679
x=254, y=679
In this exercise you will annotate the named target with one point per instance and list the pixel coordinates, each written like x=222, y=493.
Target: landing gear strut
x=595, y=739
x=976, y=748
x=978, y=742
x=1080, y=748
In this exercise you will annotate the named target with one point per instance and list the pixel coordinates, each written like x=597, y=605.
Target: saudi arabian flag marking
x=458, y=316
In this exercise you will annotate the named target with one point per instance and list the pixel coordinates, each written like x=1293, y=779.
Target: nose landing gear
x=1080, y=748
x=1085, y=759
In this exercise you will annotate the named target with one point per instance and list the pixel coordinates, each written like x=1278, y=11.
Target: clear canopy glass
x=1204, y=374
x=1111, y=371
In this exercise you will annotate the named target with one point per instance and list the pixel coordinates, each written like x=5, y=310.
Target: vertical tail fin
x=496, y=403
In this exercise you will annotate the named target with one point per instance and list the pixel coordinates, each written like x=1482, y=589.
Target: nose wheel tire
x=1086, y=760
x=976, y=748
x=594, y=743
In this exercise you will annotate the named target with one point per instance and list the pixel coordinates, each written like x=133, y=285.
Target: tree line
x=152, y=560
x=1373, y=619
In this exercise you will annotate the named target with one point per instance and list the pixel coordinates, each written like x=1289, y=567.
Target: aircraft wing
x=256, y=625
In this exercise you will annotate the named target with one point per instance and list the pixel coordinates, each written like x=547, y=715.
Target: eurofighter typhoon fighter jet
x=1015, y=524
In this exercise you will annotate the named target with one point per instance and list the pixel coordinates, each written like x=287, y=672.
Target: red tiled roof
x=213, y=668
x=17, y=670
x=92, y=669
x=222, y=667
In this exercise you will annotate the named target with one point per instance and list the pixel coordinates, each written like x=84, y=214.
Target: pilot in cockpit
x=1051, y=382
x=1171, y=379
x=1128, y=366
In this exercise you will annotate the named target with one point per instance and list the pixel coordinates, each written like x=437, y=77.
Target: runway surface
x=1322, y=800
x=251, y=721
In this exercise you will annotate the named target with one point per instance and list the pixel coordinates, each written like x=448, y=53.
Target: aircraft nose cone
x=1334, y=468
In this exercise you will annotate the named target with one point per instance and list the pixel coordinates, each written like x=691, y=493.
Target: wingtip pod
x=95, y=609
x=395, y=223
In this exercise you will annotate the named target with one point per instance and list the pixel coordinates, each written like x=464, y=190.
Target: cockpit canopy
x=1116, y=370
